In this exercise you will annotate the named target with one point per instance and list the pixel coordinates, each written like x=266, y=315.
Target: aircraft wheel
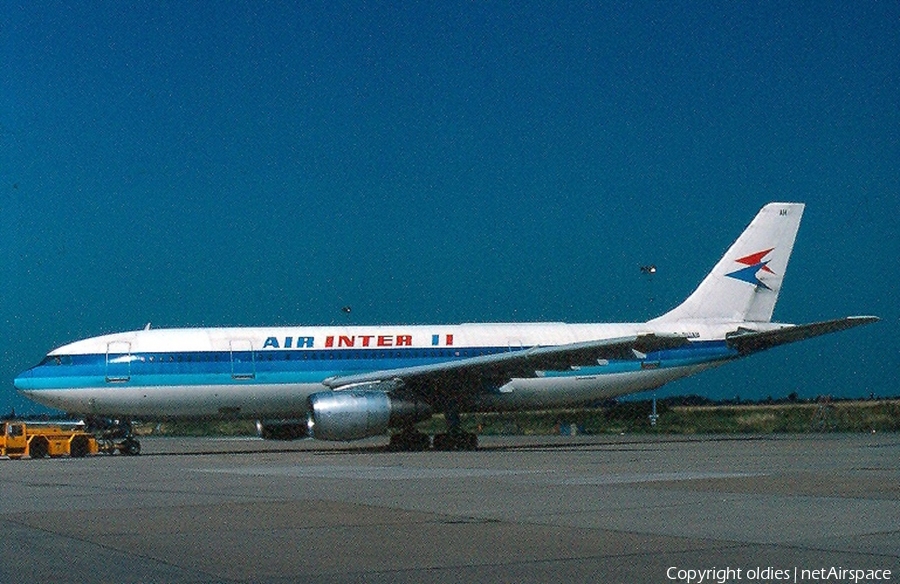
x=409, y=441
x=456, y=441
x=130, y=447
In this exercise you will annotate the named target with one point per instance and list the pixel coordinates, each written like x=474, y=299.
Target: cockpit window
x=56, y=360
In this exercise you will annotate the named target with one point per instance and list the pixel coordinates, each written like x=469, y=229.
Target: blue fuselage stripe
x=279, y=366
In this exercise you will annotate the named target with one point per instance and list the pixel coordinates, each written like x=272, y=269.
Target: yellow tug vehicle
x=19, y=439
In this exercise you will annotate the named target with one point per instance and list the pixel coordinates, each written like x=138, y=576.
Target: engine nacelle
x=356, y=414
x=282, y=429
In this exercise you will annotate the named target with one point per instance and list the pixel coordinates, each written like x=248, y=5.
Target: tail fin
x=745, y=283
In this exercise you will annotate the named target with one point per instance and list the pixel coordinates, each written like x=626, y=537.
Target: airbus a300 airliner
x=351, y=382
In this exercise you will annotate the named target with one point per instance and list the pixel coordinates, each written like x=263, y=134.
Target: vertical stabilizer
x=744, y=285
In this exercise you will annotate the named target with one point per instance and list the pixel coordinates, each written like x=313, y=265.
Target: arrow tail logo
x=755, y=263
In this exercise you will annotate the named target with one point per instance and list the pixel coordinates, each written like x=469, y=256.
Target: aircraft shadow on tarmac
x=646, y=444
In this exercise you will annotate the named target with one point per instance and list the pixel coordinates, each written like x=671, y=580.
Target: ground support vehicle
x=39, y=440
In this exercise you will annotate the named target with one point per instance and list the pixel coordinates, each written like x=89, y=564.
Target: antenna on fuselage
x=147, y=327
x=654, y=417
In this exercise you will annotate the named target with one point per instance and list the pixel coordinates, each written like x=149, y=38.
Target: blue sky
x=195, y=164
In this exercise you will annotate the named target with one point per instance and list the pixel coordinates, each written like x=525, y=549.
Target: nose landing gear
x=114, y=435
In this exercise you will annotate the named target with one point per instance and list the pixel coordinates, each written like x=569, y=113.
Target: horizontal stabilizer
x=752, y=342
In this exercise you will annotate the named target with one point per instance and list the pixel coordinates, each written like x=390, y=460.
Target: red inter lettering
x=366, y=339
x=403, y=341
x=346, y=341
x=449, y=340
x=385, y=341
x=329, y=341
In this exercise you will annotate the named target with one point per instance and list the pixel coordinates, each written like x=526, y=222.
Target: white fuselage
x=270, y=372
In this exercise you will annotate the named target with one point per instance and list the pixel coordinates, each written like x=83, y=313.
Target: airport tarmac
x=519, y=510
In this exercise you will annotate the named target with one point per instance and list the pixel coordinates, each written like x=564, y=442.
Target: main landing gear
x=114, y=435
x=410, y=440
x=455, y=438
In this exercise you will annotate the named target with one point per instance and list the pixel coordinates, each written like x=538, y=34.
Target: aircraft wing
x=499, y=368
x=746, y=342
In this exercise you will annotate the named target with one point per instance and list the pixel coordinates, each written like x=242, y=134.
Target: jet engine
x=354, y=414
x=282, y=429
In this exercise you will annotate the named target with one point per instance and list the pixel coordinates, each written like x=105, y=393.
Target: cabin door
x=242, y=365
x=118, y=361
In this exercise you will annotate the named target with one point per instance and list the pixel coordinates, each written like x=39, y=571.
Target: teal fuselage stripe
x=302, y=366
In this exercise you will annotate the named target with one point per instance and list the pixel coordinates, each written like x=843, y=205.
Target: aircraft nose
x=21, y=381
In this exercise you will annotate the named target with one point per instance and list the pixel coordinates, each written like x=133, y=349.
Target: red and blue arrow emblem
x=755, y=264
